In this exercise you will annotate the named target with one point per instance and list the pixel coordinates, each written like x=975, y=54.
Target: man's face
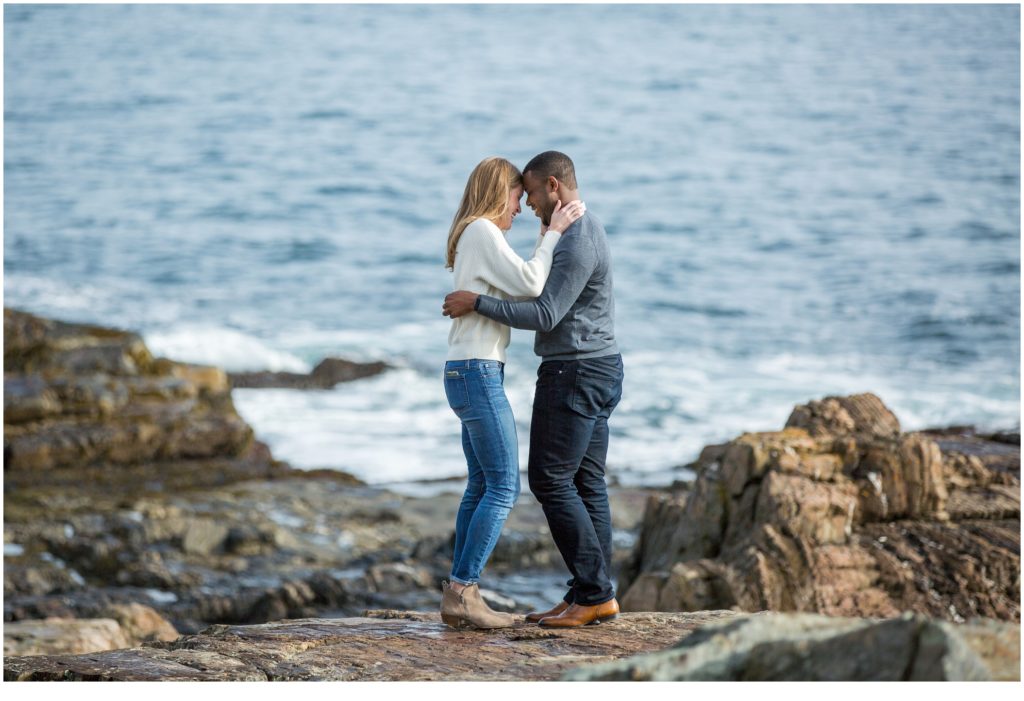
x=540, y=197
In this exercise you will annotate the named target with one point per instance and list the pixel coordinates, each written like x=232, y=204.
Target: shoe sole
x=456, y=622
x=460, y=623
x=596, y=621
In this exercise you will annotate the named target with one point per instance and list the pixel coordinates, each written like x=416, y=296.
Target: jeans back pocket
x=456, y=390
x=598, y=388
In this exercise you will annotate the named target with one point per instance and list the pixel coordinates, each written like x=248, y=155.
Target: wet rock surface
x=839, y=513
x=399, y=645
x=393, y=645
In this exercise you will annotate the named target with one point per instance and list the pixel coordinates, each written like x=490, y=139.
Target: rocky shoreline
x=131, y=481
x=704, y=646
x=138, y=506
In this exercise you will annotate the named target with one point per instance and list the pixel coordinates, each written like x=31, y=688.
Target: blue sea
x=800, y=201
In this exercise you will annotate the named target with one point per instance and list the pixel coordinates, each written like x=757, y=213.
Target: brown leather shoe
x=536, y=617
x=577, y=615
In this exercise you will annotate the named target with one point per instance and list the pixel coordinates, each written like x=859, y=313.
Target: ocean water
x=800, y=201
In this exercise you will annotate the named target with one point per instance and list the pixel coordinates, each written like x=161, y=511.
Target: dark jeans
x=568, y=448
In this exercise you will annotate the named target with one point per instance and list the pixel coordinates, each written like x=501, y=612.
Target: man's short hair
x=553, y=163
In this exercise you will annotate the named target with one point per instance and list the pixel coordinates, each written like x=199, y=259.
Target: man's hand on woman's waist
x=459, y=303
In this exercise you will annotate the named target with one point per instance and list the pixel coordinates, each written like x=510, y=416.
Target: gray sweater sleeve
x=572, y=265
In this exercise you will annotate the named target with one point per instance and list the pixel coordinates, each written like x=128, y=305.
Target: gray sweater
x=574, y=316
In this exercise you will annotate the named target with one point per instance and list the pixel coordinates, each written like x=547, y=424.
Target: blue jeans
x=476, y=393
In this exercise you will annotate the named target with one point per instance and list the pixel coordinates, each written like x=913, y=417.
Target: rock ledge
x=391, y=645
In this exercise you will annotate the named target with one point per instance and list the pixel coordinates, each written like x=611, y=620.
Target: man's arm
x=573, y=264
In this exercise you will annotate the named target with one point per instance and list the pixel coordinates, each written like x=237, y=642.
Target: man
x=579, y=382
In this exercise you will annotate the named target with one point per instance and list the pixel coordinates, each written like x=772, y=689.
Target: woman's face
x=512, y=209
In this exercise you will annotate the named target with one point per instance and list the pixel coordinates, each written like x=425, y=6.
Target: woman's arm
x=502, y=268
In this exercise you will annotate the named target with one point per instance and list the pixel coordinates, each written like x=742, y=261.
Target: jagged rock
x=78, y=395
x=701, y=517
x=863, y=414
x=803, y=647
x=840, y=514
x=699, y=585
x=804, y=508
x=33, y=344
x=709, y=456
x=904, y=480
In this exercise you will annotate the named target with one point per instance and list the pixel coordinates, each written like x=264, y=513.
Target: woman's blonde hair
x=486, y=196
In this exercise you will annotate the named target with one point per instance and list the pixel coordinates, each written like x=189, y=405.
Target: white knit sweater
x=486, y=264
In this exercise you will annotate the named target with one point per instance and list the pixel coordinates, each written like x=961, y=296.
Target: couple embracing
x=564, y=293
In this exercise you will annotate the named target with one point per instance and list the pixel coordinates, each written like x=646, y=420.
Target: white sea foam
x=391, y=427
x=397, y=426
x=226, y=348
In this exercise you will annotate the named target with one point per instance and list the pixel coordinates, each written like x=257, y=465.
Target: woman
x=483, y=262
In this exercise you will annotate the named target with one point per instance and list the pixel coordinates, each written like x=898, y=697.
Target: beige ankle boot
x=467, y=609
